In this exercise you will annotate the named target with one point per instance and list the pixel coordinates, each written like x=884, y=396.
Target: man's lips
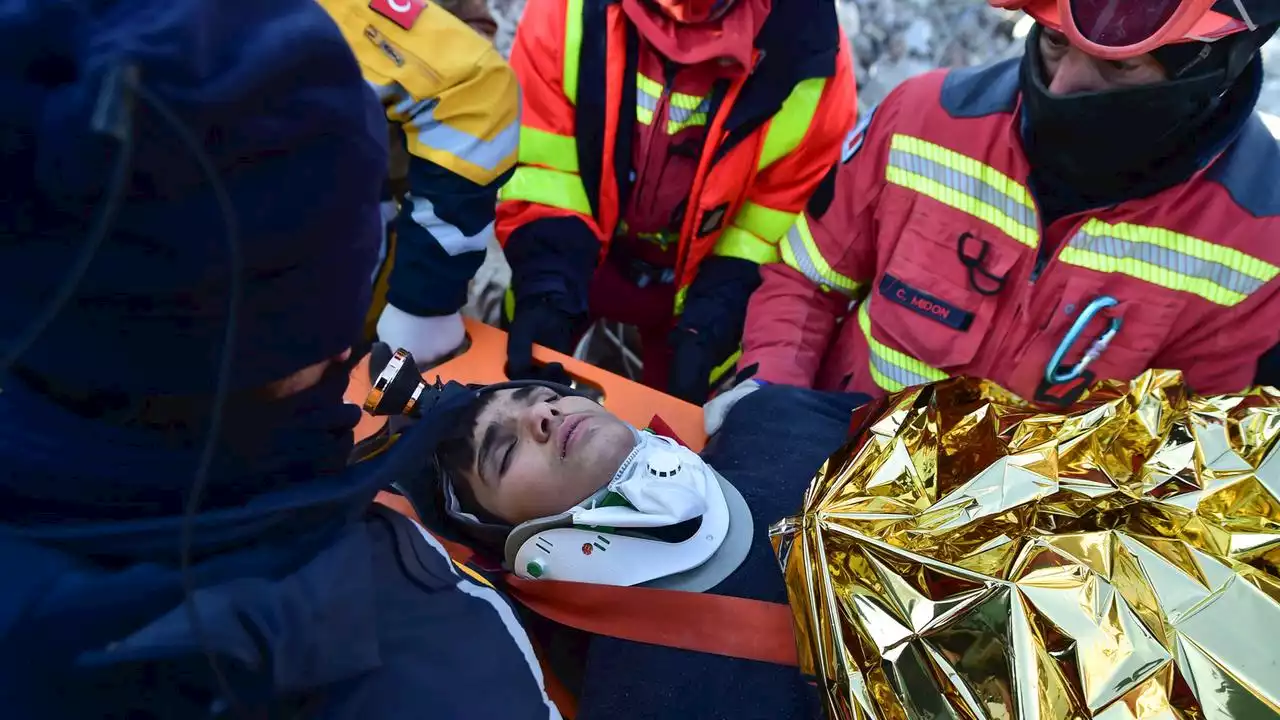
x=569, y=433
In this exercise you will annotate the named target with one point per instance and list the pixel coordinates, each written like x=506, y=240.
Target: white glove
x=714, y=412
x=428, y=338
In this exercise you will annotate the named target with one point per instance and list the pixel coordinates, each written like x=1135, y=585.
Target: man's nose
x=1077, y=72
x=541, y=421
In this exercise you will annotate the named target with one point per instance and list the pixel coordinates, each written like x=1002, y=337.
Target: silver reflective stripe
x=1221, y=275
x=799, y=254
x=645, y=100
x=964, y=184
x=893, y=369
x=434, y=134
x=519, y=638
x=679, y=115
x=390, y=209
x=450, y=237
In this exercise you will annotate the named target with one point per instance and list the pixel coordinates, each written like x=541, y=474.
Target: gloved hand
x=538, y=320
x=552, y=263
x=710, y=327
x=692, y=360
x=714, y=412
x=428, y=338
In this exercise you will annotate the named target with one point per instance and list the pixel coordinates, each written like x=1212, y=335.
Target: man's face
x=1069, y=70
x=539, y=454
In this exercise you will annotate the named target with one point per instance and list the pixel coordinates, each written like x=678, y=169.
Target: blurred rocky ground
x=895, y=39
x=892, y=41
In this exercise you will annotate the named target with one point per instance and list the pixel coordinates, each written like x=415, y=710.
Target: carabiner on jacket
x=1054, y=373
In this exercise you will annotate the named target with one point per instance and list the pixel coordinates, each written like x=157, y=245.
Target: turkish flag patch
x=401, y=12
x=1064, y=394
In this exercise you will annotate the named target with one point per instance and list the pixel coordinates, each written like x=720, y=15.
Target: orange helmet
x=694, y=11
x=1120, y=29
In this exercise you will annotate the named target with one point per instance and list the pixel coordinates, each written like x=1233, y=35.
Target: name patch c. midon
x=891, y=288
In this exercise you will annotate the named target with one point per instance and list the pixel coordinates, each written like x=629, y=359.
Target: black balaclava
x=1104, y=147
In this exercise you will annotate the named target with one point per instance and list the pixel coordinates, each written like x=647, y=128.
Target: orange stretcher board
x=484, y=361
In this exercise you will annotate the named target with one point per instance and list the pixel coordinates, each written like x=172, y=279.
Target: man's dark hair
x=456, y=454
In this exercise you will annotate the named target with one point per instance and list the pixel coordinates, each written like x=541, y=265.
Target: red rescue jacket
x=773, y=133
x=925, y=265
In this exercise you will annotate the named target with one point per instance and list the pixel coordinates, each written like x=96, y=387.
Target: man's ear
x=305, y=378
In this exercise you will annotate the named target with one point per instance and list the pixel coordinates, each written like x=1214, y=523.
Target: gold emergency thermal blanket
x=965, y=556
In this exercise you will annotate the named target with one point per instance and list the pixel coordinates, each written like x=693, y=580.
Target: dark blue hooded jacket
x=230, y=149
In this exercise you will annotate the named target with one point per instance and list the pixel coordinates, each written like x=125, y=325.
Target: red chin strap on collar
x=694, y=11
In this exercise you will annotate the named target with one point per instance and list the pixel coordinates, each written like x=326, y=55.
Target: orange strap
x=715, y=624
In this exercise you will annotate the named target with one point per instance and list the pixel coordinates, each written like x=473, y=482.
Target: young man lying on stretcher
x=505, y=461
x=549, y=484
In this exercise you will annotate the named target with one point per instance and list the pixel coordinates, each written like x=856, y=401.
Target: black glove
x=539, y=320
x=710, y=329
x=691, y=364
x=552, y=263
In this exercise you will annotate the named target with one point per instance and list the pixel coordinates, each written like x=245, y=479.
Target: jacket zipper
x=714, y=139
x=732, y=137
x=1044, y=262
x=658, y=124
x=1024, y=292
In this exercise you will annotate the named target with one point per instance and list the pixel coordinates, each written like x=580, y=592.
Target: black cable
x=235, y=265
x=113, y=116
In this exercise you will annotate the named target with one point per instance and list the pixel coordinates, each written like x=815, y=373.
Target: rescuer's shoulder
x=1249, y=169
x=962, y=93
x=980, y=91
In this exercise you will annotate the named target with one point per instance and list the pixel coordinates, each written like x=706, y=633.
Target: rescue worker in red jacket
x=666, y=147
x=1108, y=204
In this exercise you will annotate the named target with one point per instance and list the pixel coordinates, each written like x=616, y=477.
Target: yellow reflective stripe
x=964, y=203
x=472, y=574
x=479, y=147
x=695, y=120
x=547, y=187
x=653, y=89
x=739, y=243
x=891, y=369
x=965, y=184
x=539, y=147
x=965, y=165
x=764, y=222
x=648, y=86
x=799, y=251
x=683, y=111
x=790, y=124
x=572, y=48
x=1219, y=274
x=679, y=304
x=686, y=102
x=726, y=366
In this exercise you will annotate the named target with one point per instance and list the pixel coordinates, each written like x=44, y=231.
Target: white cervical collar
x=659, y=484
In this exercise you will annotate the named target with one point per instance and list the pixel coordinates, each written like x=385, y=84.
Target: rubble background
x=892, y=41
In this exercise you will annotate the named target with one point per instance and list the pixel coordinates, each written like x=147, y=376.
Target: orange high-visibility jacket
x=774, y=137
